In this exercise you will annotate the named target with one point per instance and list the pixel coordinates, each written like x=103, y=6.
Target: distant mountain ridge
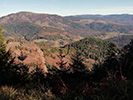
x=120, y=18
x=32, y=26
x=21, y=23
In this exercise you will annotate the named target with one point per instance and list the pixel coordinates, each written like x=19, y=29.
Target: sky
x=67, y=7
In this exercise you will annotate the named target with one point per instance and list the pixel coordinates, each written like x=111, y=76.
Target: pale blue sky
x=67, y=7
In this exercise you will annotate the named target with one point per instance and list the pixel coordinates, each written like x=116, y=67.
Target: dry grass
x=7, y=93
x=10, y=93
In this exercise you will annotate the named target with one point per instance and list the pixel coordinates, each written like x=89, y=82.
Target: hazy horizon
x=66, y=15
x=67, y=7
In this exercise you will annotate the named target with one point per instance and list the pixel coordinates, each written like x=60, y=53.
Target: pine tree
x=112, y=67
x=2, y=44
x=10, y=73
x=5, y=59
x=61, y=63
x=3, y=53
x=78, y=62
x=127, y=60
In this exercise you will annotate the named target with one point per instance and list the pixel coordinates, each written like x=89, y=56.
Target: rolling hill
x=31, y=26
x=27, y=24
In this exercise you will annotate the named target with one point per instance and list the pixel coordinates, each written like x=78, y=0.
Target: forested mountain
x=27, y=24
x=94, y=48
x=43, y=26
x=118, y=18
x=108, y=24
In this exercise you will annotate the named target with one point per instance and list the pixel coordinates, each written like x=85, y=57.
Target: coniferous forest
x=111, y=78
